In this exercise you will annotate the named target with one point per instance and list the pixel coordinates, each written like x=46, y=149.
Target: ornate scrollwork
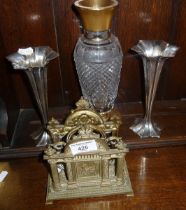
x=55, y=148
x=84, y=115
x=86, y=153
x=86, y=132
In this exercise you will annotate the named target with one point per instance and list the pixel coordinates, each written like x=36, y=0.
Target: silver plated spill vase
x=153, y=54
x=33, y=61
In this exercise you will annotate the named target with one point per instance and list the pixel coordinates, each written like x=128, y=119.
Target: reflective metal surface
x=34, y=63
x=87, y=158
x=153, y=54
x=96, y=15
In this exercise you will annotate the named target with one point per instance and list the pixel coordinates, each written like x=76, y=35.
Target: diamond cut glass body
x=98, y=64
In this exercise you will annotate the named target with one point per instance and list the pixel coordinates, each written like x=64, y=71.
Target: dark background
x=25, y=23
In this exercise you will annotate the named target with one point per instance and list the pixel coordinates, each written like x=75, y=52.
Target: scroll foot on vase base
x=145, y=129
x=42, y=137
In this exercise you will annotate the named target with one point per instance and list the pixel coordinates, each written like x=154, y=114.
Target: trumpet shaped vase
x=33, y=62
x=153, y=54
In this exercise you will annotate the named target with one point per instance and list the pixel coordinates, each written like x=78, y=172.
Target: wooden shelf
x=157, y=178
x=170, y=115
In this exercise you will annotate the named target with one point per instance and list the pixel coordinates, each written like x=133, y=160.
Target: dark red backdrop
x=53, y=23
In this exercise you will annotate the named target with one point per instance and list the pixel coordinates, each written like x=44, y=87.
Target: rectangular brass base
x=90, y=191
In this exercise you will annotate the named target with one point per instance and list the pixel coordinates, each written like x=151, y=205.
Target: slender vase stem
x=152, y=71
x=153, y=53
x=38, y=81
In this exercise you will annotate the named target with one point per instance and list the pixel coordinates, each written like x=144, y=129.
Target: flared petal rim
x=40, y=57
x=155, y=48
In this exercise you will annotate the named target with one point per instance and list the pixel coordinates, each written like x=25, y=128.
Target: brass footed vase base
x=87, y=158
